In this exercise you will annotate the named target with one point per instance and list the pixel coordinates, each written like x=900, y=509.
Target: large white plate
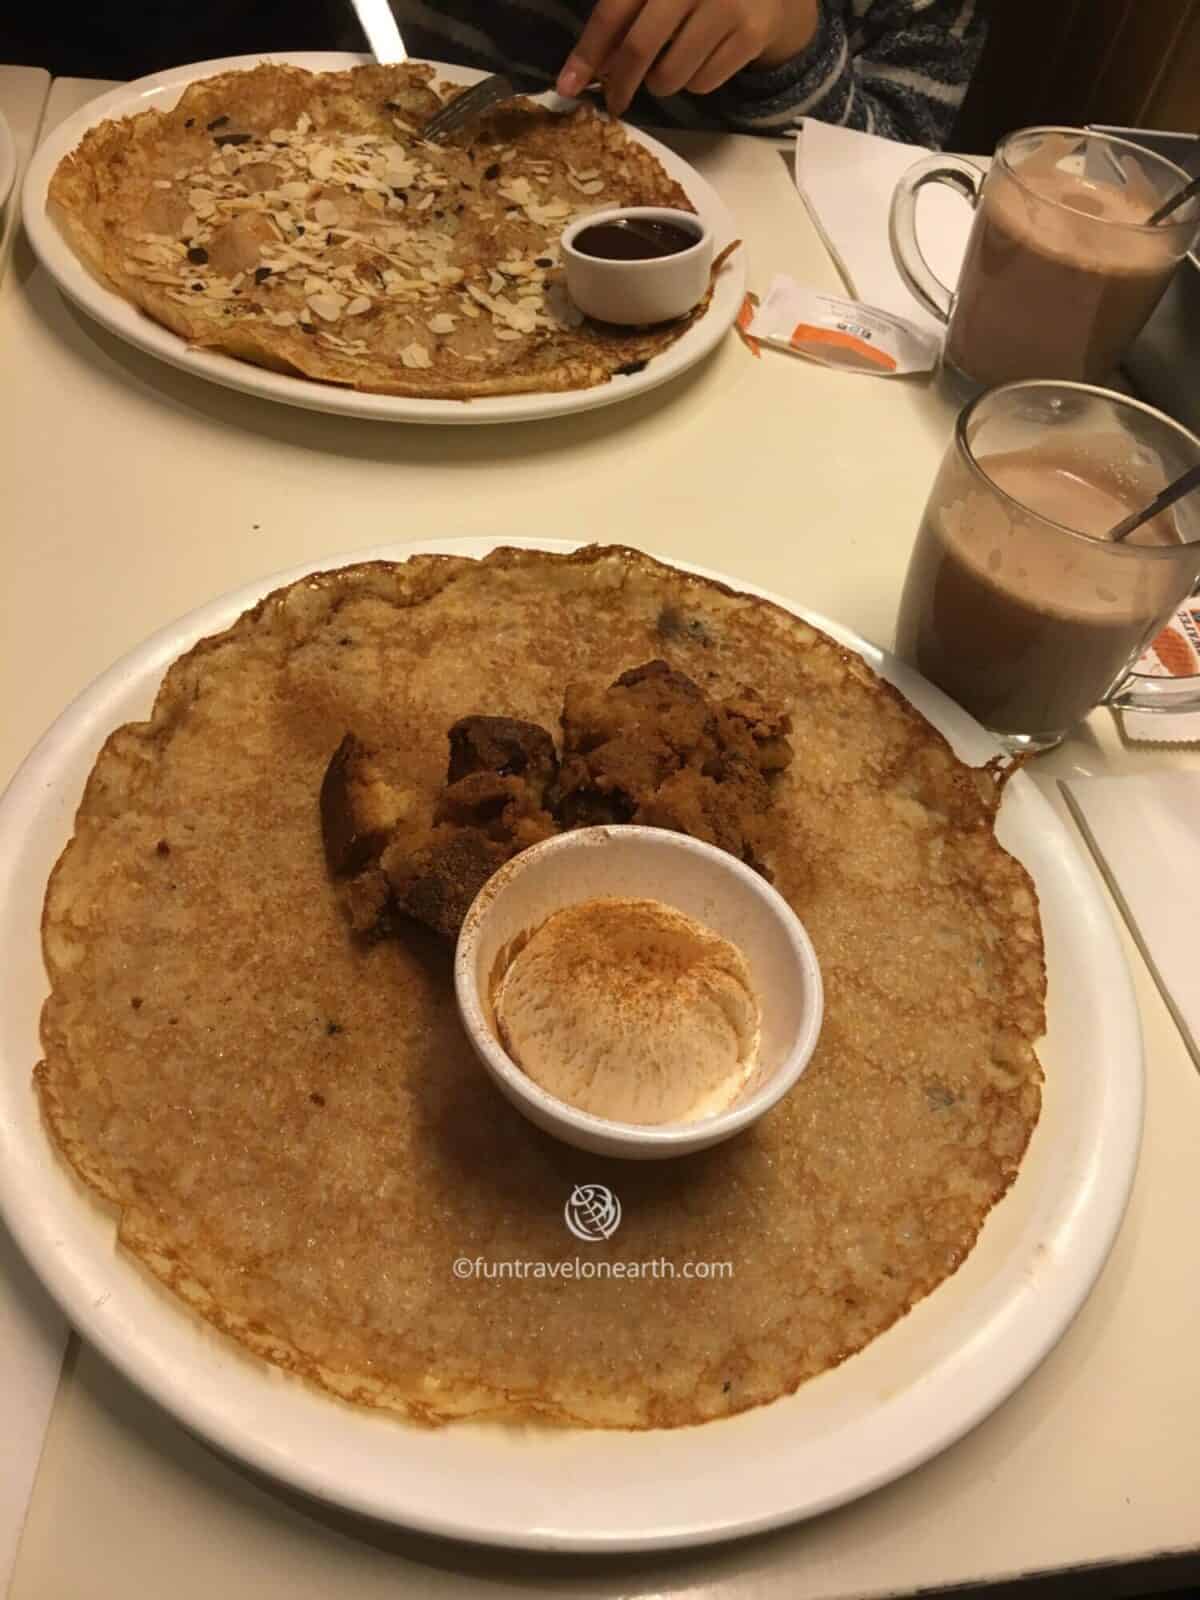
x=162, y=90
x=8, y=158
x=911, y=1393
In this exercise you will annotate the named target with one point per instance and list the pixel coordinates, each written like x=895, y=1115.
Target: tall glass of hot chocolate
x=1017, y=602
x=1063, y=266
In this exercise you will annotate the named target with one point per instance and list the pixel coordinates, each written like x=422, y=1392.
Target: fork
x=474, y=102
x=468, y=106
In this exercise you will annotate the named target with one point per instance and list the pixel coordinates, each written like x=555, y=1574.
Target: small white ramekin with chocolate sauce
x=637, y=265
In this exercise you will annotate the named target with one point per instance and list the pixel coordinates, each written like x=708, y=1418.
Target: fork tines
x=464, y=108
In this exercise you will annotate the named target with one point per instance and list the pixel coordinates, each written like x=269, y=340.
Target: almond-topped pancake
x=296, y=220
x=290, y=1121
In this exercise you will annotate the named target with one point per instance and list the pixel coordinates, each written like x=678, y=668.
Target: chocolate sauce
x=635, y=239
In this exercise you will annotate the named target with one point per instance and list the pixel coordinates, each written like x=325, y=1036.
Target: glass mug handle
x=963, y=177
x=1159, y=695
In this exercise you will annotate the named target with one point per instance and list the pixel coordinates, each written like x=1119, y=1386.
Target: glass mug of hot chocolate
x=1016, y=602
x=1062, y=266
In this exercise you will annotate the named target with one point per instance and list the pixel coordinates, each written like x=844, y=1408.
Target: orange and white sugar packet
x=1175, y=652
x=744, y=318
x=841, y=333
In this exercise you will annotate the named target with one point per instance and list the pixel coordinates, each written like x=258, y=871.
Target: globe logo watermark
x=592, y=1212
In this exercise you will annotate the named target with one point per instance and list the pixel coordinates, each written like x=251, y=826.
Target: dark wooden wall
x=1135, y=63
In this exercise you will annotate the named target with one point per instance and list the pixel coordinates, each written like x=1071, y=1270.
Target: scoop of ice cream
x=630, y=1010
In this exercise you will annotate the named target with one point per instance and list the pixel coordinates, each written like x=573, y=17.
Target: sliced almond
x=374, y=199
x=320, y=163
x=149, y=275
x=442, y=323
x=279, y=136
x=202, y=202
x=326, y=213
x=155, y=255
x=415, y=355
x=283, y=319
x=426, y=200
x=562, y=308
x=552, y=211
x=519, y=191
x=358, y=305
x=507, y=333
x=328, y=304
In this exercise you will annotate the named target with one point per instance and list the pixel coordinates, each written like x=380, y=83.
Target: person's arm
x=900, y=69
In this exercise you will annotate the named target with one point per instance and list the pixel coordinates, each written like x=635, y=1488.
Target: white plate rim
x=8, y=159
x=58, y=1234
x=128, y=323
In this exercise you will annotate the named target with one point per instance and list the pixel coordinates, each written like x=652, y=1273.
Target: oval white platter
x=162, y=90
x=908, y=1395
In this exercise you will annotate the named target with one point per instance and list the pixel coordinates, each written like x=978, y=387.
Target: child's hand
x=682, y=44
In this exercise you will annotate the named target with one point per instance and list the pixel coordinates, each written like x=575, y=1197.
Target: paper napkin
x=846, y=180
x=33, y=1336
x=1145, y=835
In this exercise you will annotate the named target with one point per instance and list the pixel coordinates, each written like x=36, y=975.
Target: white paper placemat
x=33, y=1337
x=1145, y=835
x=846, y=180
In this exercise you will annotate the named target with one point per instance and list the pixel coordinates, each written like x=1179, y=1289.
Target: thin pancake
x=294, y=1129
x=294, y=220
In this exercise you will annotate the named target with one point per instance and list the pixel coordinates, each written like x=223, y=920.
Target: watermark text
x=577, y=1267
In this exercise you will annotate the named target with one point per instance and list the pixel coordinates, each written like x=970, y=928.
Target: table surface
x=134, y=493
x=23, y=92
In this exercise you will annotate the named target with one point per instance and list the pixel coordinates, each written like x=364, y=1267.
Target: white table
x=23, y=92
x=133, y=493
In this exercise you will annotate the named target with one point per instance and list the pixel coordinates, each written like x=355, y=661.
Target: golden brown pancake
x=296, y=221
x=292, y=1126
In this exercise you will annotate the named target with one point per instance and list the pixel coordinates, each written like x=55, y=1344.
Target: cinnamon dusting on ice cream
x=630, y=1010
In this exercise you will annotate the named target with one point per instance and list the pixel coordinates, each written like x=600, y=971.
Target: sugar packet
x=1169, y=670
x=841, y=333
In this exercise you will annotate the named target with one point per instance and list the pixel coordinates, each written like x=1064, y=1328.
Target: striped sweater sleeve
x=899, y=68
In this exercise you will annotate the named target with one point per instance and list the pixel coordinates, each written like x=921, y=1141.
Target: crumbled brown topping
x=652, y=748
